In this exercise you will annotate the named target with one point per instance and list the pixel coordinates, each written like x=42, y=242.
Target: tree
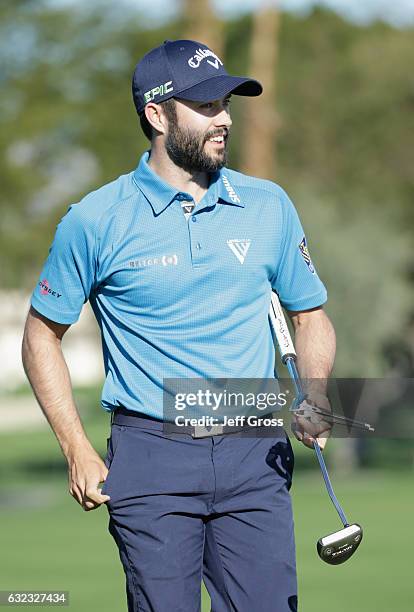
x=202, y=24
x=260, y=117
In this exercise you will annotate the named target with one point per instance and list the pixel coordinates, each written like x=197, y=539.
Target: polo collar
x=226, y=190
x=160, y=194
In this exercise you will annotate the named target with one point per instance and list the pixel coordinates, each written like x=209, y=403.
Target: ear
x=156, y=117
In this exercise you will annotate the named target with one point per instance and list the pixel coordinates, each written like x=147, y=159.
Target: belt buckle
x=200, y=431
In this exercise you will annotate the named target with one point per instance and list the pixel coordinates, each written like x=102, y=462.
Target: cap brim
x=220, y=86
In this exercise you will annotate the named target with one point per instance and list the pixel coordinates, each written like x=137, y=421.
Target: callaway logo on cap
x=188, y=70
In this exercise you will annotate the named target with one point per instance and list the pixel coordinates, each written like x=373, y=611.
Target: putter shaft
x=291, y=366
x=328, y=484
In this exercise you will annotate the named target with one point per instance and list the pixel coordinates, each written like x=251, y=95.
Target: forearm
x=48, y=374
x=315, y=345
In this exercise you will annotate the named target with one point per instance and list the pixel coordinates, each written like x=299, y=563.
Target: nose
x=223, y=118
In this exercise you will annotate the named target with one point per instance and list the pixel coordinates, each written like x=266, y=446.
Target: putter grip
x=281, y=330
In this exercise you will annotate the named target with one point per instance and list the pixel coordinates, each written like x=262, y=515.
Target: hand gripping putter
x=336, y=547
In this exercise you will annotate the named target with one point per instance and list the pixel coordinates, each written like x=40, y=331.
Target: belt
x=132, y=418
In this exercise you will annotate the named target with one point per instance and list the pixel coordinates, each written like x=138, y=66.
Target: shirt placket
x=197, y=224
x=196, y=229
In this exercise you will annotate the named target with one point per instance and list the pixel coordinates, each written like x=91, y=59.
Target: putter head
x=337, y=547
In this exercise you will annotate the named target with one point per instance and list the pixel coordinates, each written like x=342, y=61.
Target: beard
x=186, y=149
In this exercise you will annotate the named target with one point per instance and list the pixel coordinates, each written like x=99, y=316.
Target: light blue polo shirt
x=177, y=297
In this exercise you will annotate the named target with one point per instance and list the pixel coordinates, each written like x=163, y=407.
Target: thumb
x=103, y=496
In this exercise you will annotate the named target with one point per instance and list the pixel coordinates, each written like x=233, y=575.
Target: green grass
x=379, y=576
x=48, y=542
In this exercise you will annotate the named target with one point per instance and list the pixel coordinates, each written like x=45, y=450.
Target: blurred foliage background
x=334, y=128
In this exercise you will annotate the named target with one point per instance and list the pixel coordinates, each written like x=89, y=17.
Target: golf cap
x=188, y=70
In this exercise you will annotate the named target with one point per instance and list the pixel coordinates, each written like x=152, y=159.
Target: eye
x=207, y=105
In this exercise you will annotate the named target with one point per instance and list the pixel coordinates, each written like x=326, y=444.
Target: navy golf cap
x=188, y=70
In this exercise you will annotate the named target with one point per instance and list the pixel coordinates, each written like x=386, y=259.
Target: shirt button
x=194, y=219
x=198, y=246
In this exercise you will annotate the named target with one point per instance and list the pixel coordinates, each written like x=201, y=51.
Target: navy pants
x=217, y=509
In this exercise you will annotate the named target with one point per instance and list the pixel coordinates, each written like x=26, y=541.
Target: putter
x=337, y=547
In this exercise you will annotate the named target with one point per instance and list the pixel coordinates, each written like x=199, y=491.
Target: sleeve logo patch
x=46, y=290
x=303, y=248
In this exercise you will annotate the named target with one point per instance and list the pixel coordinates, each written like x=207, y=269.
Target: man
x=178, y=260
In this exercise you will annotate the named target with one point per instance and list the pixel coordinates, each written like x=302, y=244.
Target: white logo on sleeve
x=239, y=248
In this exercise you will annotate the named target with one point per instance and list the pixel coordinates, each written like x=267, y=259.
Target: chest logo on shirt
x=303, y=248
x=163, y=260
x=239, y=248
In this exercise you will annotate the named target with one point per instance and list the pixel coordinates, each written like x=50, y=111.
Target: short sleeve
x=67, y=277
x=296, y=280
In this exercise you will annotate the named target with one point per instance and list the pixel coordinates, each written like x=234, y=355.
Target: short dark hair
x=169, y=109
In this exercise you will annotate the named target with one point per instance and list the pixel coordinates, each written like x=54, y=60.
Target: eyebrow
x=199, y=103
x=226, y=99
